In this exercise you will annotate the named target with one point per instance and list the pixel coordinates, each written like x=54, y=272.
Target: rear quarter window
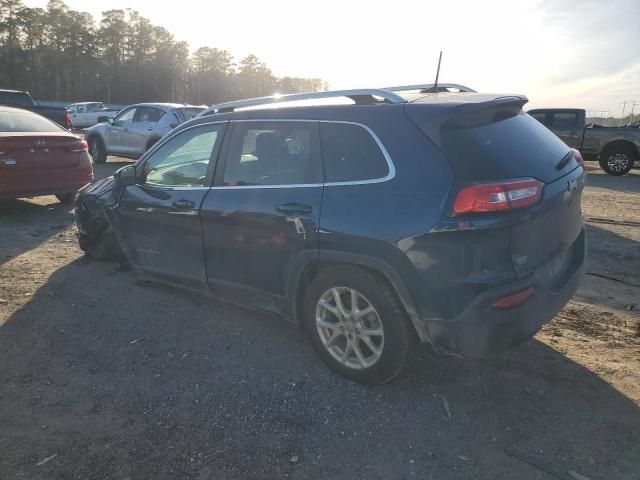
x=351, y=154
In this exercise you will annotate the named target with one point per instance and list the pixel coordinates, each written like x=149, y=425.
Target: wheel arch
x=309, y=265
x=621, y=144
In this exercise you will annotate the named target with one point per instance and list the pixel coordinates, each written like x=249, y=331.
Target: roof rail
x=360, y=96
x=429, y=87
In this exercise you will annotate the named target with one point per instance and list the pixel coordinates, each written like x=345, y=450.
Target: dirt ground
x=102, y=377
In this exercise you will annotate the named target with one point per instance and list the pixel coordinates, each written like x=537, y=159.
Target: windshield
x=26, y=122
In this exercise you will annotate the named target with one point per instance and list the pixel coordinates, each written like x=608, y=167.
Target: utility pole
x=633, y=107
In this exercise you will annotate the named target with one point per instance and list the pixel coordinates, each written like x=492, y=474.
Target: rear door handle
x=294, y=208
x=184, y=204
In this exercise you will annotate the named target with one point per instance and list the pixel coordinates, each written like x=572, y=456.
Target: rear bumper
x=481, y=329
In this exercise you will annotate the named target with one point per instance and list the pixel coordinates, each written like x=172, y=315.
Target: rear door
x=160, y=216
x=566, y=125
x=263, y=213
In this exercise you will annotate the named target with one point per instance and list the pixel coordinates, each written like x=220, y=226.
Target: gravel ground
x=106, y=378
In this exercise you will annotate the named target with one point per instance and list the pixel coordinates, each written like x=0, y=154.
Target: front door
x=116, y=136
x=565, y=126
x=263, y=213
x=159, y=217
x=141, y=129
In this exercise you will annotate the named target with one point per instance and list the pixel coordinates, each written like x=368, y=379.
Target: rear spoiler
x=431, y=116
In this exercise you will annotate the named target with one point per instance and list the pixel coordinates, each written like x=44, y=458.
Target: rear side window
x=566, y=121
x=351, y=154
x=149, y=114
x=273, y=153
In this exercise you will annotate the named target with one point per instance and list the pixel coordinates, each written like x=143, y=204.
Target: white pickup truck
x=87, y=114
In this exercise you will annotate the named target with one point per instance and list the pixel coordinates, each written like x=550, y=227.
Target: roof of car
x=164, y=105
x=4, y=90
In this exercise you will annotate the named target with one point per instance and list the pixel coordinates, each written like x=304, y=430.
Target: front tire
x=617, y=161
x=102, y=247
x=97, y=151
x=356, y=324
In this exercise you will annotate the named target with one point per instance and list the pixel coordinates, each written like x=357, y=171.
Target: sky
x=560, y=53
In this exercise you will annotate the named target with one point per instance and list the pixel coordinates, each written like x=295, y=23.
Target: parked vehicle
x=88, y=114
x=450, y=218
x=38, y=157
x=18, y=99
x=135, y=129
x=617, y=149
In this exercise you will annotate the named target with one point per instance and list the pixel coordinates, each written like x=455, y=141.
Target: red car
x=37, y=157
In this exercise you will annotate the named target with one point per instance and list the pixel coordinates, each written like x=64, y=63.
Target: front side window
x=351, y=154
x=80, y=108
x=71, y=109
x=126, y=116
x=183, y=161
x=273, y=153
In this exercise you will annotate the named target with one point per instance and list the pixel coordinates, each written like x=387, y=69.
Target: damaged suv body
x=453, y=219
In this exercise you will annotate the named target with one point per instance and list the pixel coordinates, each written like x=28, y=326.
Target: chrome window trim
x=391, y=166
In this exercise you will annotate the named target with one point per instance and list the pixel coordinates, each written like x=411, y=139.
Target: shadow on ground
x=121, y=380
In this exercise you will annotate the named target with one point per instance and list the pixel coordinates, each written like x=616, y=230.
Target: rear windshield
x=26, y=122
x=15, y=98
x=514, y=146
x=189, y=113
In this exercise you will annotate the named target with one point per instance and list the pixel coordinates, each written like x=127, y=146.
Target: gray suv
x=135, y=129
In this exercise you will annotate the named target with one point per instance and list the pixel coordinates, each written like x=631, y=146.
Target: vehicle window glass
x=540, y=116
x=565, y=120
x=183, y=161
x=273, y=153
x=93, y=107
x=351, y=154
x=71, y=109
x=80, y=108
x=18, y=99
x=126, y=116
x=149, y=114
x=189, y=113
x=26, y=122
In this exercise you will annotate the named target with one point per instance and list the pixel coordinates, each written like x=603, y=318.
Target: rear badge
x=9, y=161
x=572, y=185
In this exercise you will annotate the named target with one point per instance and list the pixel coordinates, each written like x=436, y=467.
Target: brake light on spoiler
x=498, y=196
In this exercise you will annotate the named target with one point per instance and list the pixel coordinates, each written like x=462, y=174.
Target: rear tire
x=369, y=348
x=617, y=161
x=97, y=151
x=65, y=197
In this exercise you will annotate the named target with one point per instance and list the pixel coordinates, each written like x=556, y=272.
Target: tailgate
x=544, y=238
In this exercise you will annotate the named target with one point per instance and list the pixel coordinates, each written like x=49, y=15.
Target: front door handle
x=294, y=209
x=184, y=204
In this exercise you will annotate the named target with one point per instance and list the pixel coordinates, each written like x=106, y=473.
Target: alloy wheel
x=349, y=327
x=618, y=162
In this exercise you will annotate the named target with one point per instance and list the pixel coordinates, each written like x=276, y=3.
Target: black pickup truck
x=617, y=149
x=18, y=99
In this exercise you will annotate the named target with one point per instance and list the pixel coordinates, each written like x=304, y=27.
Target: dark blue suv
x=404, y=216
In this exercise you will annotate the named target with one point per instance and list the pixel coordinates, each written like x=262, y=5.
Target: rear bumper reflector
x=513, y=300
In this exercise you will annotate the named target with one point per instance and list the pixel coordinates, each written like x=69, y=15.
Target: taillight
x=67, y=119
x=500, y=196
x=78, y=147
x=578, y=156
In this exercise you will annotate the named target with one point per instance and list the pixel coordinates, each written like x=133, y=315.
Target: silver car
x=135, y=129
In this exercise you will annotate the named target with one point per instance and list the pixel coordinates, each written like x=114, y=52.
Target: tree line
x=61, y=54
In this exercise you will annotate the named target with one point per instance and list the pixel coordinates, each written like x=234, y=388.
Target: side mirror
x=111, y=120
x=126, y=176
x=173, y=125
x=104, y=119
